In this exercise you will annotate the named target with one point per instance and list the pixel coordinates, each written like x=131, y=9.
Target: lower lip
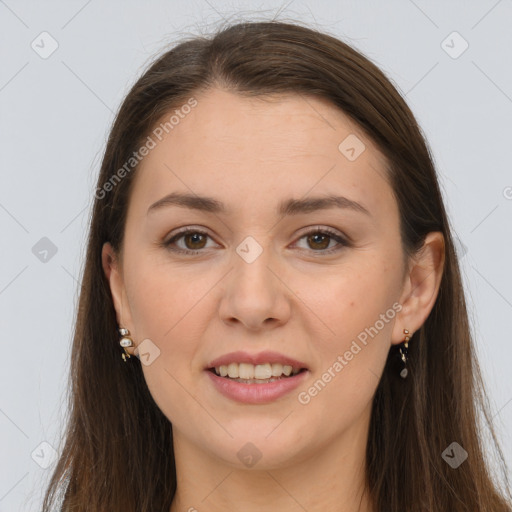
x=256, y=393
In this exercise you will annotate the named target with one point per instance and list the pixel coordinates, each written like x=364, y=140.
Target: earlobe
x=421, y=287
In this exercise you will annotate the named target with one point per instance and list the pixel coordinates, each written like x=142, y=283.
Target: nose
x=255, y=292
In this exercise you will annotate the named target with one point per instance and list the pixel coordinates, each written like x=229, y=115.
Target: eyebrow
x=287, y=207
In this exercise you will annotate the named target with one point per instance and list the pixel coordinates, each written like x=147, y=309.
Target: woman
x=272, y=315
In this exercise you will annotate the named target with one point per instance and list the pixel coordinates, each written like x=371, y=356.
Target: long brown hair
x=118, y=452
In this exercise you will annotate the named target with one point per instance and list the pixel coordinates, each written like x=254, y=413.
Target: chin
x=262, y=447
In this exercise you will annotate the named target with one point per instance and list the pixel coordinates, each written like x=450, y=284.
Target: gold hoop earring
x=125, y=341
x=403, y=354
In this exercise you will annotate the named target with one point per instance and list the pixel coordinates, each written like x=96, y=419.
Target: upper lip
x=260, y=358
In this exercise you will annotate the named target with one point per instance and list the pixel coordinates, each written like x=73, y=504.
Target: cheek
x=167, y=307
x=357, y=310
x=162, y=298
x=347, y=300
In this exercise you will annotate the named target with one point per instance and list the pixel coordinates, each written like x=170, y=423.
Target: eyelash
x=323, y=231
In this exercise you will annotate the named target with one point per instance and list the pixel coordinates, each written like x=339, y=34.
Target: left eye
x=320, y=238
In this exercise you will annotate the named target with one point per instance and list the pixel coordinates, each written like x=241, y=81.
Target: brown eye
x=319, y=239
x=194, y=241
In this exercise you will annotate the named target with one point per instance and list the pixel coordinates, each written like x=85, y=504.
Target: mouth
x=256, y=378
x=247, y=373
x=256, y=390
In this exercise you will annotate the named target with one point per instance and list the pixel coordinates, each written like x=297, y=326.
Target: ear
x=113, y=273
x=421, y=286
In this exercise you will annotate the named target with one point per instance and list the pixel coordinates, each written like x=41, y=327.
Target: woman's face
x=261, y=280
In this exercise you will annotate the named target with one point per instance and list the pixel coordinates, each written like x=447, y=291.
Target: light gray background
x=55, y=116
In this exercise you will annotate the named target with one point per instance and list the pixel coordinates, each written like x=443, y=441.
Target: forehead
x=247, y=151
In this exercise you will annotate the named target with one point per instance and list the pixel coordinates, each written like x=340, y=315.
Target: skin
x=295, y=299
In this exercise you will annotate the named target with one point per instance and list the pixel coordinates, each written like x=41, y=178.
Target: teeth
x=262, y=371
x=277, y=369
x=233, y=370
x=249, y=371
x=245, y=371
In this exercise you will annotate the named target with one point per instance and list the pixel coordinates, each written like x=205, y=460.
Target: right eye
x=195, y=236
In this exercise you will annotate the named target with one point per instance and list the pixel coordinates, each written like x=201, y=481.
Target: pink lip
x=262, y=357
x=256, y=393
